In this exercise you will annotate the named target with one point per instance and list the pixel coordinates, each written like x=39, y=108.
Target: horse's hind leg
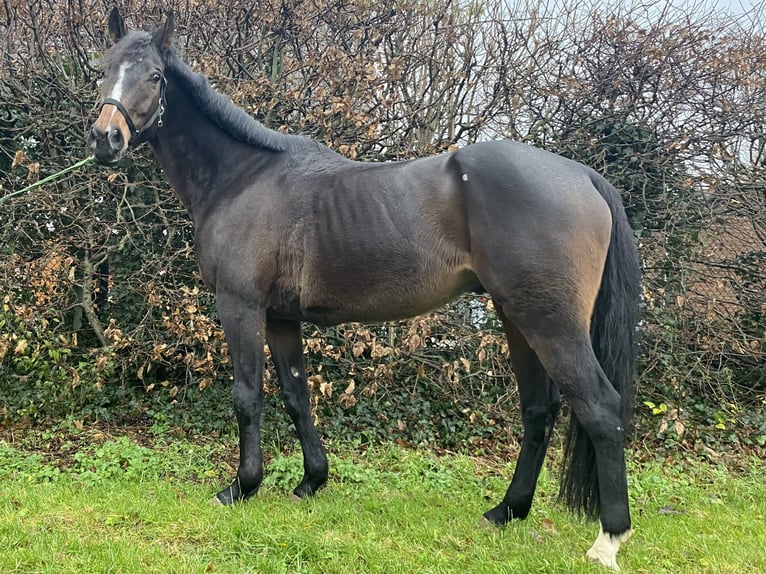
x=565, y=350
x=539, y=406
x=284, y=338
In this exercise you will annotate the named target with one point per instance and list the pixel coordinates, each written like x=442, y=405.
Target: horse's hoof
x=215, y=502
x=487, y=524
x=605, y=561
x=295, y=498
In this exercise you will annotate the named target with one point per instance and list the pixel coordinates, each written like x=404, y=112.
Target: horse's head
x=133, y=88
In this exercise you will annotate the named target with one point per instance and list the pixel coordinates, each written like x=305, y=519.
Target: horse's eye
x=156, y=77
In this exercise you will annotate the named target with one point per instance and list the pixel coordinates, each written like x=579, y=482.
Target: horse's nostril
x=115, y=138
x=94, y=134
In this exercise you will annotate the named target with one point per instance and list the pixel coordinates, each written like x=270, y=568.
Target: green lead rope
x=46, y=179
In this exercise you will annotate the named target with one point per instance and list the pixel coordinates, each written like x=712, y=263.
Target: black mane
x=229, y=117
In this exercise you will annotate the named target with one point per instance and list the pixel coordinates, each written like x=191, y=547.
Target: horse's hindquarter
x=537, y=224
x=384, y=241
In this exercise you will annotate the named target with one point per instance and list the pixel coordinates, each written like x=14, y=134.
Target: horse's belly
x=387, y=299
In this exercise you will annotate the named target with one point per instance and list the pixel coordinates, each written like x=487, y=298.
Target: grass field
x=114, y=506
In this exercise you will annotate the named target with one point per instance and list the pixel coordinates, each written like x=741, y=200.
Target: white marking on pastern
x=605, y=548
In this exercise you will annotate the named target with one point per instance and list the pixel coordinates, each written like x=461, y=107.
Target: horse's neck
x=198, y=158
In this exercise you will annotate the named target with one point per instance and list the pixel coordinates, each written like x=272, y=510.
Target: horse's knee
x=296, y=400
x=247, y=398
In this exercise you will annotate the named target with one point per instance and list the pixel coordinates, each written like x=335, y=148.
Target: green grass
x=117, y=507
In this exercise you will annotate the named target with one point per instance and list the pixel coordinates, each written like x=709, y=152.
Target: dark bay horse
x=289, y=231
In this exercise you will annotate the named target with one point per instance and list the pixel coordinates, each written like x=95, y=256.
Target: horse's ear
x=117, y=27
x=163, y=36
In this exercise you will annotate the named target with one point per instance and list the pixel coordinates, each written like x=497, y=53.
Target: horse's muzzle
x=106, y=145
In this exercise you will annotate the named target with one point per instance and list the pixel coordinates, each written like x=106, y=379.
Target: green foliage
x=44, y=374
x=16, y=465
x=117, y=459
x=284, y=472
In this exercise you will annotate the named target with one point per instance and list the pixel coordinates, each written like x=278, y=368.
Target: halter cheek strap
x=155, y=117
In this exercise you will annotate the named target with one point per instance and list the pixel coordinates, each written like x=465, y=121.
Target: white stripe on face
x=119, y=85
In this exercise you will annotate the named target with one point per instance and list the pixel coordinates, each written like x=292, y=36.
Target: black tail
x=613, y=333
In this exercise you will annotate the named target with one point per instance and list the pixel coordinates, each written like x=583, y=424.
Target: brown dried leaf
x=21, y=346
x=358, y=349
x=18, y=159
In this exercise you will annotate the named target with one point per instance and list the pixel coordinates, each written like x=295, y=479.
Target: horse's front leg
x=285, y=343
x=244, y=328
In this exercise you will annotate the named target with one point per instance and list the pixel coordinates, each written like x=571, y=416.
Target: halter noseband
x=155, y=117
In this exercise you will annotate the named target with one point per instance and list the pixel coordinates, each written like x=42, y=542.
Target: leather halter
x=155, y=117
